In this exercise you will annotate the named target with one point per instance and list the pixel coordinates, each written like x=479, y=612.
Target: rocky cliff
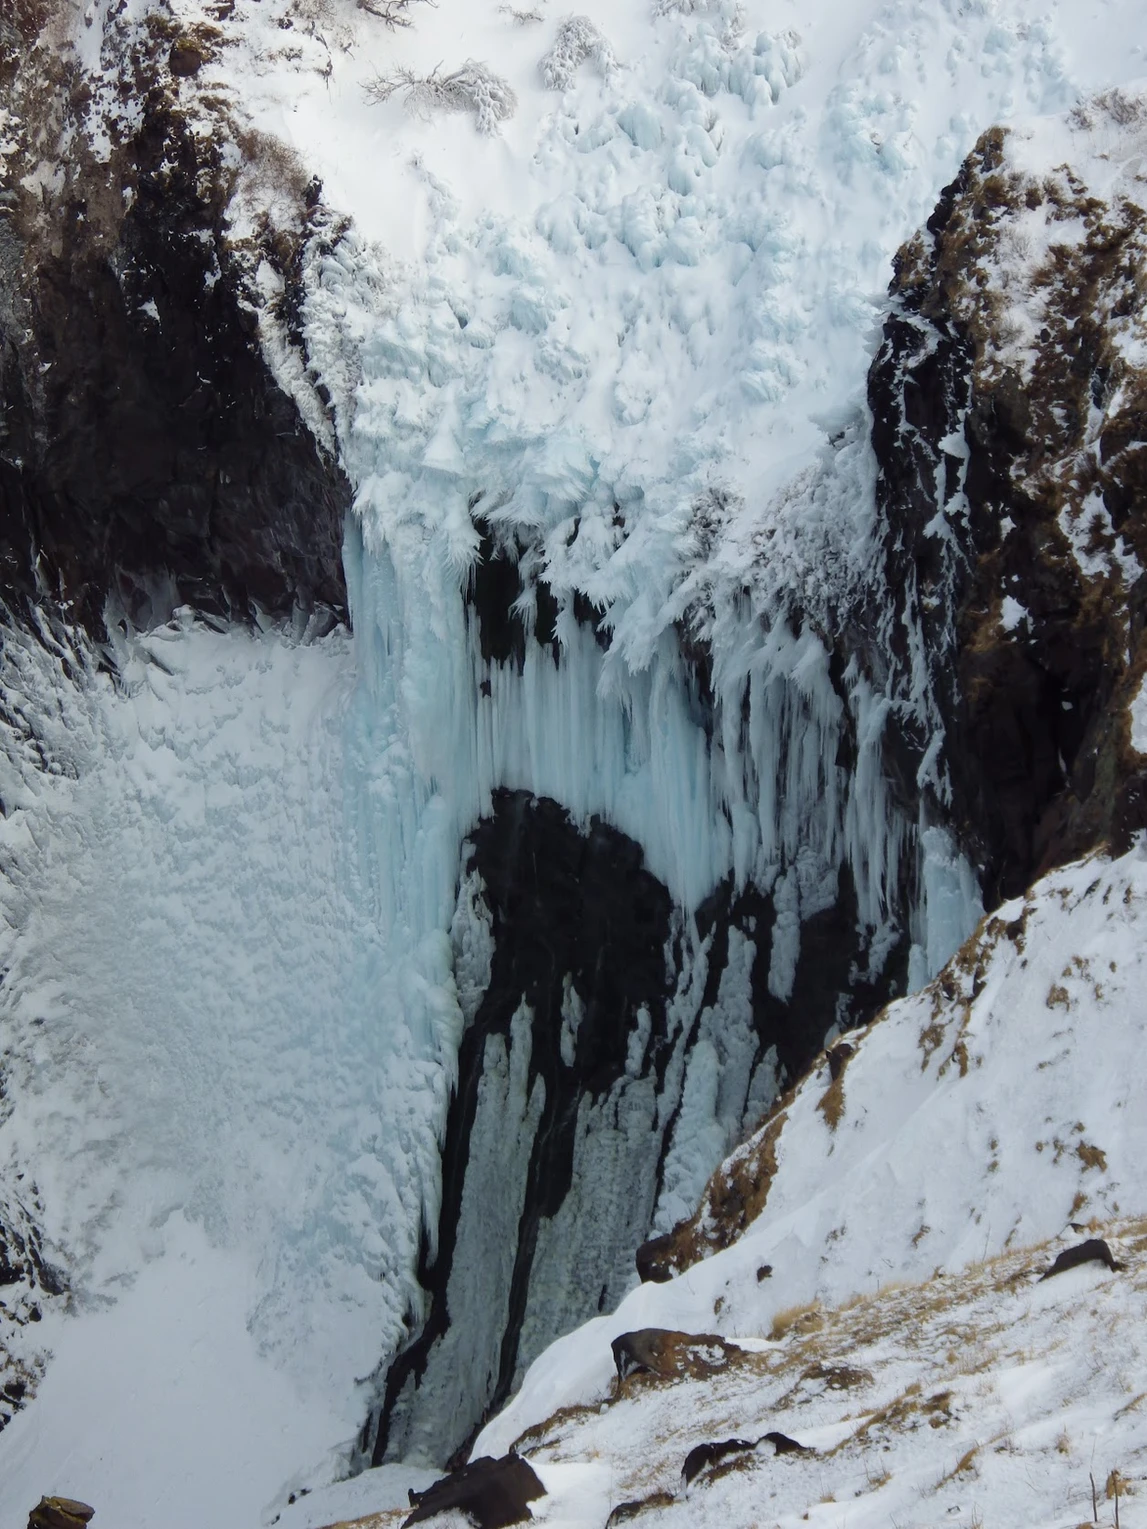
x=1007, y=405
x=147, y=451
x=1008, y=420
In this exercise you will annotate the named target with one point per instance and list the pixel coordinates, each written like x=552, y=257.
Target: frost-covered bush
x=395, y=13
x=472, y=88
x=577, y=40
x=728, y=14
x=680, y=7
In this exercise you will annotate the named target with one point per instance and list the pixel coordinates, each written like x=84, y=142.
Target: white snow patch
x=1012, y=613
x=158, y=1408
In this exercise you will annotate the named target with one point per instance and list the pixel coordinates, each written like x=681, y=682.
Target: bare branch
x=394, y=13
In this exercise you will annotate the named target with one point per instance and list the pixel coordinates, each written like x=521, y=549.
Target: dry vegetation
x=951, y=1334
x=392, y=13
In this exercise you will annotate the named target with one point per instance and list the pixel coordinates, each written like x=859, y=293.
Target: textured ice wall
x=200, y=990
x=623, y=376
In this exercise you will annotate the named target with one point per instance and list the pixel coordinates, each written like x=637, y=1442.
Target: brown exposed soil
x=734, y=1197
x=663, y=1354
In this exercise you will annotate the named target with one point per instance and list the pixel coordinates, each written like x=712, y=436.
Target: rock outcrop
x=146, y=451
x=60, y=1513
x=1009, y=405
x=28, y=1280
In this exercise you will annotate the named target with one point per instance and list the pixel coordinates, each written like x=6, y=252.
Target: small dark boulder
x=661, y=1351
x=784, y=1445
x=704, y=1455
x=838, y=1059
x=630, y=1510
x=60, y=1513
x=764, y=1272
x=493, y=1493
x=1094, y=1250
x=654, y=1260
x=186, y=58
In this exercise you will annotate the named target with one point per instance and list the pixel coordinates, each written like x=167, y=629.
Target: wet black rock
x=581, y=930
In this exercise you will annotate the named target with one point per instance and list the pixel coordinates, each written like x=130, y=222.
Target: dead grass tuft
x=965, y=1464
x=802, y=1319
x=831, y=1102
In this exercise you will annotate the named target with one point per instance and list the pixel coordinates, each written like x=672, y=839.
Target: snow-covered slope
x=997, y=1110
x=194, y=1008
x=887, y=1296
x=980, y=1395
x=988, y=1111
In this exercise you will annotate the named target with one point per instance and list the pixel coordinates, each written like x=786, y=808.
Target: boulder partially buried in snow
x=703, y=1456
x=1094, y=1250
x=60, y=1513
x=667, y=1354
x=493, y=1493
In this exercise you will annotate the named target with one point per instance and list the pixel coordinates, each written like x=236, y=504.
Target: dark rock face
x=997, y=484
x=492, y=1493
x=148, y=457
x=568, y=910
x=145, y=449
x=588, y=957
x=1094, y=1250
x=505, y=575
x=28, y=1281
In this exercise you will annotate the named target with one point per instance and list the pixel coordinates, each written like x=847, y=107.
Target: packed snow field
x=229, y=898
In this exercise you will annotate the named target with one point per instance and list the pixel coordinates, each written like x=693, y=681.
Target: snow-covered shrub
x=729, y=15
x=395, y=13
x=472, y=88
x=680, y=7
x=577, y=40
